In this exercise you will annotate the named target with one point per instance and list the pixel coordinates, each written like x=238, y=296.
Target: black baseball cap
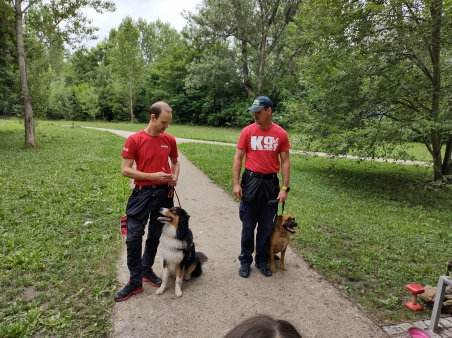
x=261, y=102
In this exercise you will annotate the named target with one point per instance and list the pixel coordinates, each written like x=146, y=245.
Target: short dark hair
x=264, y=326
x=158, y=107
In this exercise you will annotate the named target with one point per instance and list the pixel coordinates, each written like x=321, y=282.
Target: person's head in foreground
x=263, y=326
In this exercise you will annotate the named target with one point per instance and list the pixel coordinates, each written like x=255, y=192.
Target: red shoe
x=127, y=292
x=151, y=278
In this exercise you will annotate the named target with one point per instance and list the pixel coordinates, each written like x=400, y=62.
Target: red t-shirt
x=263, y=147
x=150, y=153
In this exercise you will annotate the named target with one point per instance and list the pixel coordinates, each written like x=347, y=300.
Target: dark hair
x=158, y=107
x=264, y=326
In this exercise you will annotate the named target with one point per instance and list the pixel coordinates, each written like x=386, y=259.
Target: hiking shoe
x=265, y=269
x=151, y=278
x=244, y=271
x=128, y=290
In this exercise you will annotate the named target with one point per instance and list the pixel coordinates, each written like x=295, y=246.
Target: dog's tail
x=200, y=259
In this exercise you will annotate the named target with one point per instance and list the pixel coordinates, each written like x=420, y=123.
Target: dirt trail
x=220, y=299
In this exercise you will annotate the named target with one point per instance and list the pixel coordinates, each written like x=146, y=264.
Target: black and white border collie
x=178, y=250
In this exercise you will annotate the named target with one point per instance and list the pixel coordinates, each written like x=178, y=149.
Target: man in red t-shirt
x=154, y=177
x=265, y=146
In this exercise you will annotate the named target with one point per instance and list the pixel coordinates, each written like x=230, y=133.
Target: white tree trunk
x=30, y=139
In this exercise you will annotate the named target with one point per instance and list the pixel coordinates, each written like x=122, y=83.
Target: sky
x=150, y=10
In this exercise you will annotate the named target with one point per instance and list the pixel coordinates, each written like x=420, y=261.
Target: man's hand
x=173, y=182
x=163, y=177
x=238, y=190
x=282, y=196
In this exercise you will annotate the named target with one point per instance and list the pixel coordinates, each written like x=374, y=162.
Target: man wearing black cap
x=266, y=146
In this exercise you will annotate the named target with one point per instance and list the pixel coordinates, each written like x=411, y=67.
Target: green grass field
x=416, y=151
x=370, y=228
x=59, y=237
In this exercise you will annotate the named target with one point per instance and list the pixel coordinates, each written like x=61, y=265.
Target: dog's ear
x=184, y=217
x=277, y=220
x=182, y=228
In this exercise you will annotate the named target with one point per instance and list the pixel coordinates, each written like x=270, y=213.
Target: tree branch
x=30, y=4
x=44, y=35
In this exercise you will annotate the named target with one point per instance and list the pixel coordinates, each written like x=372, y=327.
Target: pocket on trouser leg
x=135, y=228
x=249, y=189
x=242, y=210
x=271, y=189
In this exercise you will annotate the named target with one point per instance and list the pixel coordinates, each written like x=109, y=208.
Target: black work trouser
x=143, y=208
x=254, y=210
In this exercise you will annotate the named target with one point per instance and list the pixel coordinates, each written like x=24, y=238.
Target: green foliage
x=88, y=100
x=374, y=80
x=9, y=85
x=252, y=32
x=127, y=62
x=370, y=228
x=59, y=105
x=45, y=18
x=167, y=72
x=59, y=239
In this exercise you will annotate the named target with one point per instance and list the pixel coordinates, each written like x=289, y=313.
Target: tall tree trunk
x=30, y=139
x=131, y=104
x=245, y=71
x=435, y=50
x=447, y=163
x=261, y=65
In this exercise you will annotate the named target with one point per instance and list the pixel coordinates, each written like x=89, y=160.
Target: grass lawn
x=370, y=228
x=59, y=230
x=228, y=135
x=416, y=151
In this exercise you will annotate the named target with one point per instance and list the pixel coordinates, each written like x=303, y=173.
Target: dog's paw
x=283, y=267
x=273, y=268
x=160, y=290
x=178, y=292
x=187, y=277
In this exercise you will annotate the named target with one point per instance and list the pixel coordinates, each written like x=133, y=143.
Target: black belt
x=263, y=176
x=151, y=187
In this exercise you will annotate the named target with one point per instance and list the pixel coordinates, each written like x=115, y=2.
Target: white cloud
x=166, y=10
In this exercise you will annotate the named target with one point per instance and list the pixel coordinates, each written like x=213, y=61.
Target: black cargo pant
x=143, y=206
x=258, y=190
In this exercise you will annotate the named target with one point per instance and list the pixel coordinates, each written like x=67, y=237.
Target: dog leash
x=172, y=190
x=271, y=202
x=275, y=218
x=171, y=194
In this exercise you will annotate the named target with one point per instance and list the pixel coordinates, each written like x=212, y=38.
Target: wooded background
x=367, y=76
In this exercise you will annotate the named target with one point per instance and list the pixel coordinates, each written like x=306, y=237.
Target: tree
x=8, y=68
x=378, y=73
x=87, y=99
x=127, y=61
x=59, y=104
x=253, y=28
x=44, y=19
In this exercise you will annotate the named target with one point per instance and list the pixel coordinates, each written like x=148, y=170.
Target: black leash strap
x=275, y=218
x=271, y=202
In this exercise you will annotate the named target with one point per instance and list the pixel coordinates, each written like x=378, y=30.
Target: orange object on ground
x=415, y=290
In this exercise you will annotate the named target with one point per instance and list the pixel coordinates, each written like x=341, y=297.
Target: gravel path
x=220, y=299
